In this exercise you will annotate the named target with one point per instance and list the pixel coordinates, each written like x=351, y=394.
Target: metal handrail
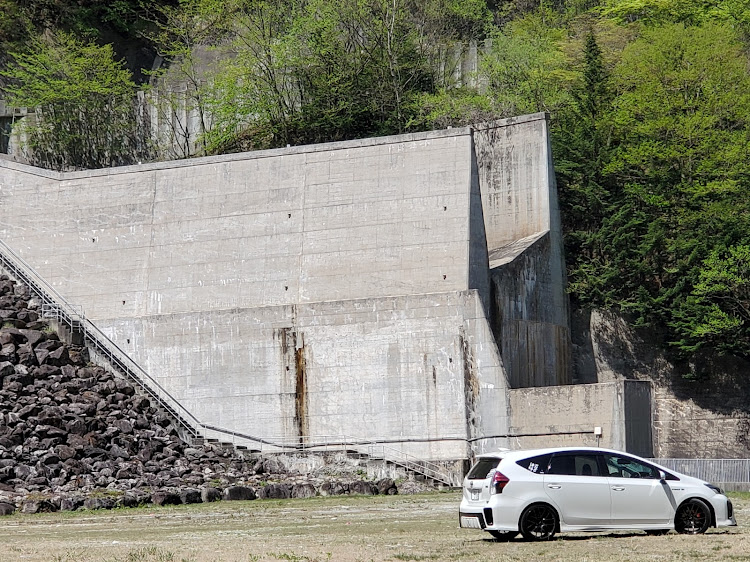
x=56, y=307
x=413, y=463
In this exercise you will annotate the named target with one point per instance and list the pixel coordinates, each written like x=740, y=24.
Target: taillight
x=499, y=481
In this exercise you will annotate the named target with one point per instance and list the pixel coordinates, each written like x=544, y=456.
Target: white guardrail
x=55, y=307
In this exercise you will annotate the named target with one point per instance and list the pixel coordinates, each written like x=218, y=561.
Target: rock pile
x=74, y=435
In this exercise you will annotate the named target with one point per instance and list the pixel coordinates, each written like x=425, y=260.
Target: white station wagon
x=542, y=491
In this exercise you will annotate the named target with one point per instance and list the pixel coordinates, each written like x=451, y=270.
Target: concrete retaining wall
x=568, y=415
x=340, y=289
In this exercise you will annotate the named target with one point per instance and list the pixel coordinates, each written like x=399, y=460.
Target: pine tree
x=582, y=148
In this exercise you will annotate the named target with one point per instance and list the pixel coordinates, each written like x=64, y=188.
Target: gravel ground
x=419, y=527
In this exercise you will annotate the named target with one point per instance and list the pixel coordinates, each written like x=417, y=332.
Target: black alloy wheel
x=538, y=522
x=693, y=517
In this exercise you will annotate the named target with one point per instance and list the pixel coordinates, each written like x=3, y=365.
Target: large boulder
x=166, y=497
x=303, y=491
x=363, y=487
x=190, y=495
x=7, y=508
x=210, y=494
x=386, y=487
x=233, y=493
x=275, y=492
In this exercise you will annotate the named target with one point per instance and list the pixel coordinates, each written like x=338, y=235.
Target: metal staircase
x=104, y=352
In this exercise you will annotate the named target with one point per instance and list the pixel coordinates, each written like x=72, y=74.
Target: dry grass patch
x=393, y=528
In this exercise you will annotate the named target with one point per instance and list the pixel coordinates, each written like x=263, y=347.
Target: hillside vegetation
x=649, y=103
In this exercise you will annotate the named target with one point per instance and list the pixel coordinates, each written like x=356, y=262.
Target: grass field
x=422, y=527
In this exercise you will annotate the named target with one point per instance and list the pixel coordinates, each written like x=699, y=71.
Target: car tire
x=538, y=522
x=503, y=535
x=693, y=517
x=656, y=532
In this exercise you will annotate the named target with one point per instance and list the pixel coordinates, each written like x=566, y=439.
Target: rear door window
x=537, y=465
x=575, y=464
x=482, y=468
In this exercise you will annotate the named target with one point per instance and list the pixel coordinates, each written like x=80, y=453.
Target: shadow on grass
x=624, y=535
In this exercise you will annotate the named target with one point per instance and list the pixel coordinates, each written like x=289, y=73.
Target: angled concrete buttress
x=387, y=289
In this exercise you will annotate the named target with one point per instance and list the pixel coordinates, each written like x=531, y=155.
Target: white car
x=542, y=491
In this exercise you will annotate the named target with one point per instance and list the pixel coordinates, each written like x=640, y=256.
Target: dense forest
x=649, y=102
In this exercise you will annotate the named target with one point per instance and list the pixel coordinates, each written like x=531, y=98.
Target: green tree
x=252, y=99
x=689, y=12
x=526, y=69
x=316, y=70
x=178, y=91
x=582, y=143
x=86, y=112
x=680, y=169
x=717, y=312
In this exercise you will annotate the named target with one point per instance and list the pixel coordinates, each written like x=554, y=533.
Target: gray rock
x=387, y=487
x=71, y=503
x=339, y=488
x=6, y=368
x=117, y=452
x=210, y=494
x=303, y=491
x=190, y=495
x=363, y=487
x=275, y=492
x=166, y=497
x=124, y=426
x=37, y=506
x=7, y=508
x=234, y=493
x=65, y=452
x=99, y=502
x=135, y=498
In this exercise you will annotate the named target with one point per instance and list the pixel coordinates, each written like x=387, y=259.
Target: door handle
x=554, y=486
x=618, y=488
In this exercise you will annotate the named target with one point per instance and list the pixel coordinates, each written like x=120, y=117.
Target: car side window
x=537, y=465
x=575, y=464
x=620, y=466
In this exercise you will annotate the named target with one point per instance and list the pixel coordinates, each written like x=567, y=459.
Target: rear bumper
x=471, y=520
x=491, y=517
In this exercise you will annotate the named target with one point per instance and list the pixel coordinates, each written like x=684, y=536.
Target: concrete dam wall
x=386, y=289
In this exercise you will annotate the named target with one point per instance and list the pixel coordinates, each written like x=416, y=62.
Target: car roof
x=523, y=453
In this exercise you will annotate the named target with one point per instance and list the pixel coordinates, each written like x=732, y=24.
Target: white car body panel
x=577, y=501
x=641, y=501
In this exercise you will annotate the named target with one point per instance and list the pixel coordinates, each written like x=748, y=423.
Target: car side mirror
x=662, y=475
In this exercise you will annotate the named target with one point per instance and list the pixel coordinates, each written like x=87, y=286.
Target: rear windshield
x=480, y=470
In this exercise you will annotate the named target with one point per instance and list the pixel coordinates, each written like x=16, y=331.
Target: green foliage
x=460, y=19
x=86, y=115
x=717, y=312
x=309, y=71
x=181, y=86
x=691, y=12
x=582, y=147
x=454, y=107
x=526, y=69
x=88, y=17
x=672, y=184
